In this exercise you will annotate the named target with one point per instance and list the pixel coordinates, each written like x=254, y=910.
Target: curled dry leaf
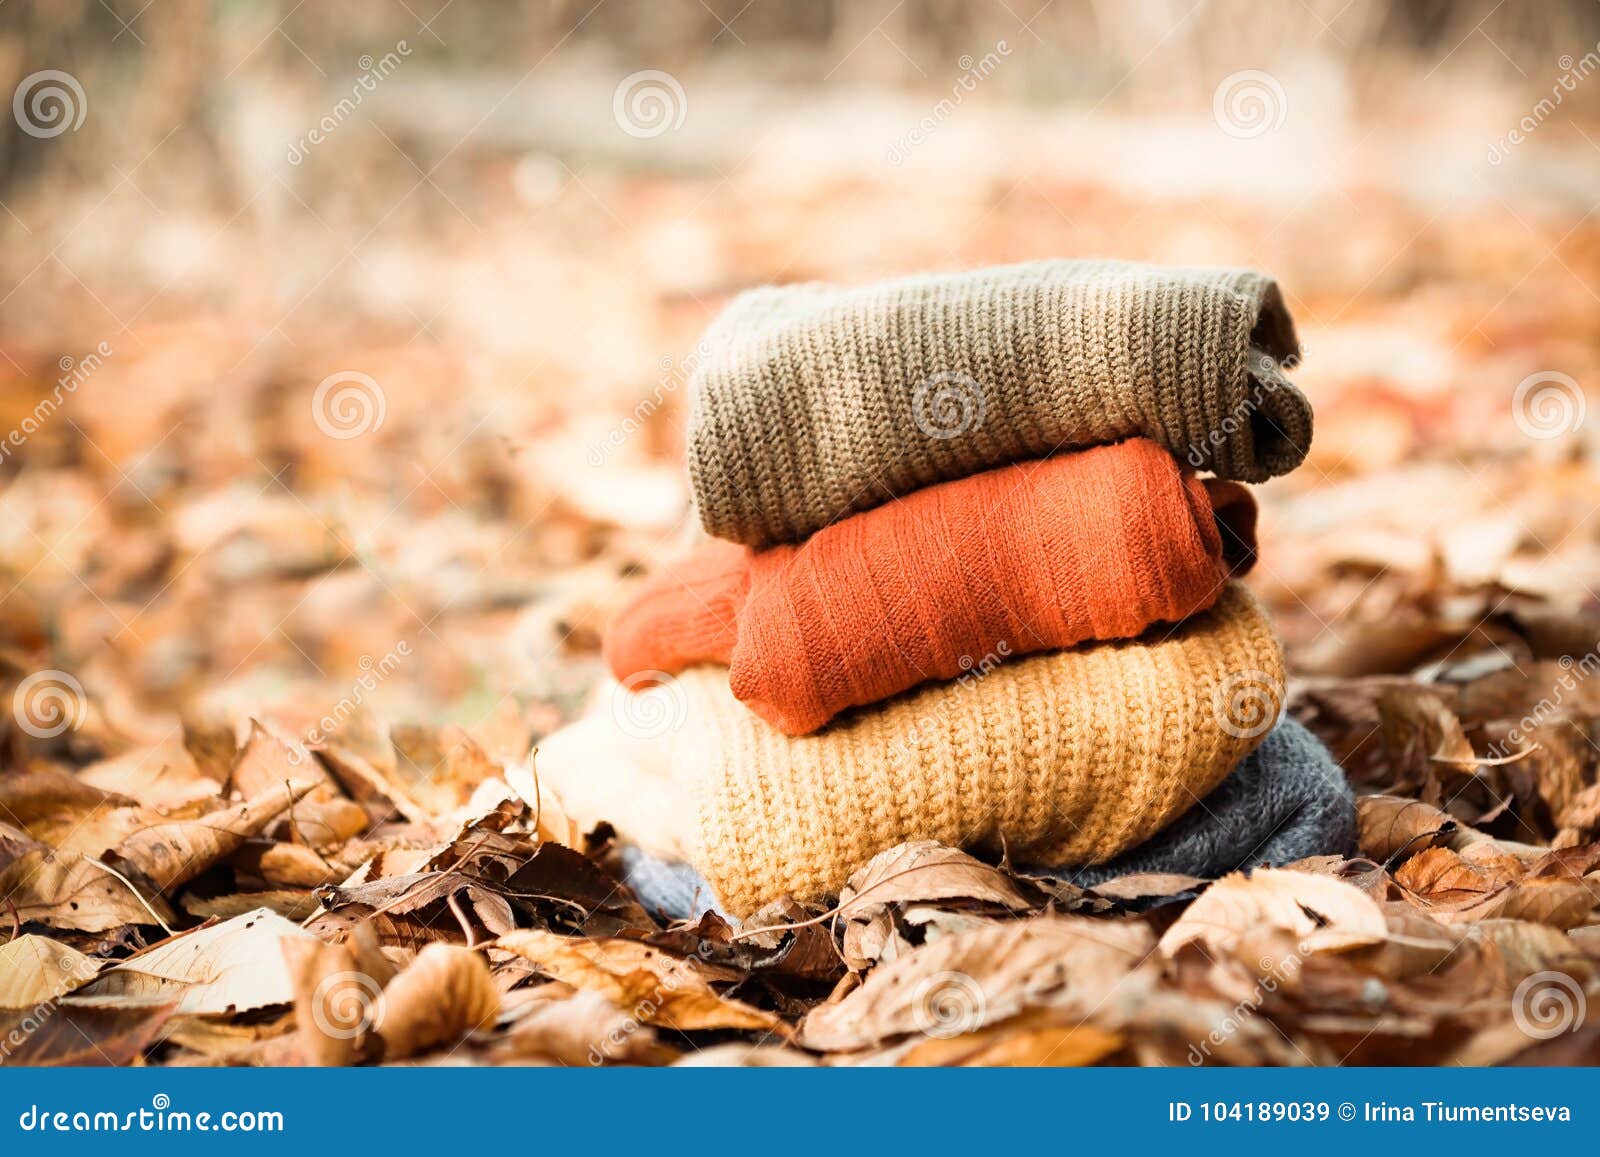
x=584, y=1028
x=323, y=819
x=1149, y=886
x=1485, y=883
x=64, y=890
x=288, y=866
x=333, y=1001
x=442, y=995
x=1324, y=914
x=1441, y=876
x=171, y=854
x=1390, y=825
x=371, y=784
x=1037, y=1038
x=646, y=982
x=960, y=983
x=267, y=762
x=48, y=804
x=925, y=870
x=63, y=1035
x=36, y=969
x=921, y=873
x=162, y=776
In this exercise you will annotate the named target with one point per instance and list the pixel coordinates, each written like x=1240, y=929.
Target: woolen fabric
x=1092, y=545
x=1068, y=756
x=810, y=402
x=1286, y=800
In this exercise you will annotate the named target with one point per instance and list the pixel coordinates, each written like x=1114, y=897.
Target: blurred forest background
x=364, y=328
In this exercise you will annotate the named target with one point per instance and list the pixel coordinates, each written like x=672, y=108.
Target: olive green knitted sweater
x=1069, y=757
x=811, y=402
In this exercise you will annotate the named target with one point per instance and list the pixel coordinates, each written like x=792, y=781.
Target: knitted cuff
x=685, y=613
x=1228, y=511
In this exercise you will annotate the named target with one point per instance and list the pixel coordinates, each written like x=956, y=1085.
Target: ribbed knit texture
x=810, y=402
x=1070, y=756
x=1097, y=544
x=1285, y=801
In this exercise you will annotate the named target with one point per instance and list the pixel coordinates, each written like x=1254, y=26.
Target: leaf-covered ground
x=276, y=658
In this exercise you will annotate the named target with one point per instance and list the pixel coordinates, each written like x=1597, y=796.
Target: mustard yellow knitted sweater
x=1066, y=757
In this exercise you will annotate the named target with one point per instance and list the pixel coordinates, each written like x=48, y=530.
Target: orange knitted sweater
x=1037, y=556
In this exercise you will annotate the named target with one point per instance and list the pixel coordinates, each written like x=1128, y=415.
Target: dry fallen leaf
x=333, y=1000
x=646, y=982
x=923, y=871
x=234, y=966
x=442, y=995
x=1324, y=914
x=1036, y=1038
x=34, y=969
x=65, y=890
x=61, y=1035
x=583, y=1027
x=171, y=854
x=940, y=883
x=960, y=983
x=1484, y=883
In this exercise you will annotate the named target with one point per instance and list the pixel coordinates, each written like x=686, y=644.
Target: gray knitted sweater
x=1285, y=801
x=811, y=402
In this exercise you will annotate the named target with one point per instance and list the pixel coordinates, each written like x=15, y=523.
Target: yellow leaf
x=36, y=969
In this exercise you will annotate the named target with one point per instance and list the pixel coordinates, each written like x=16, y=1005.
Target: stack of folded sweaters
x=968, y=588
